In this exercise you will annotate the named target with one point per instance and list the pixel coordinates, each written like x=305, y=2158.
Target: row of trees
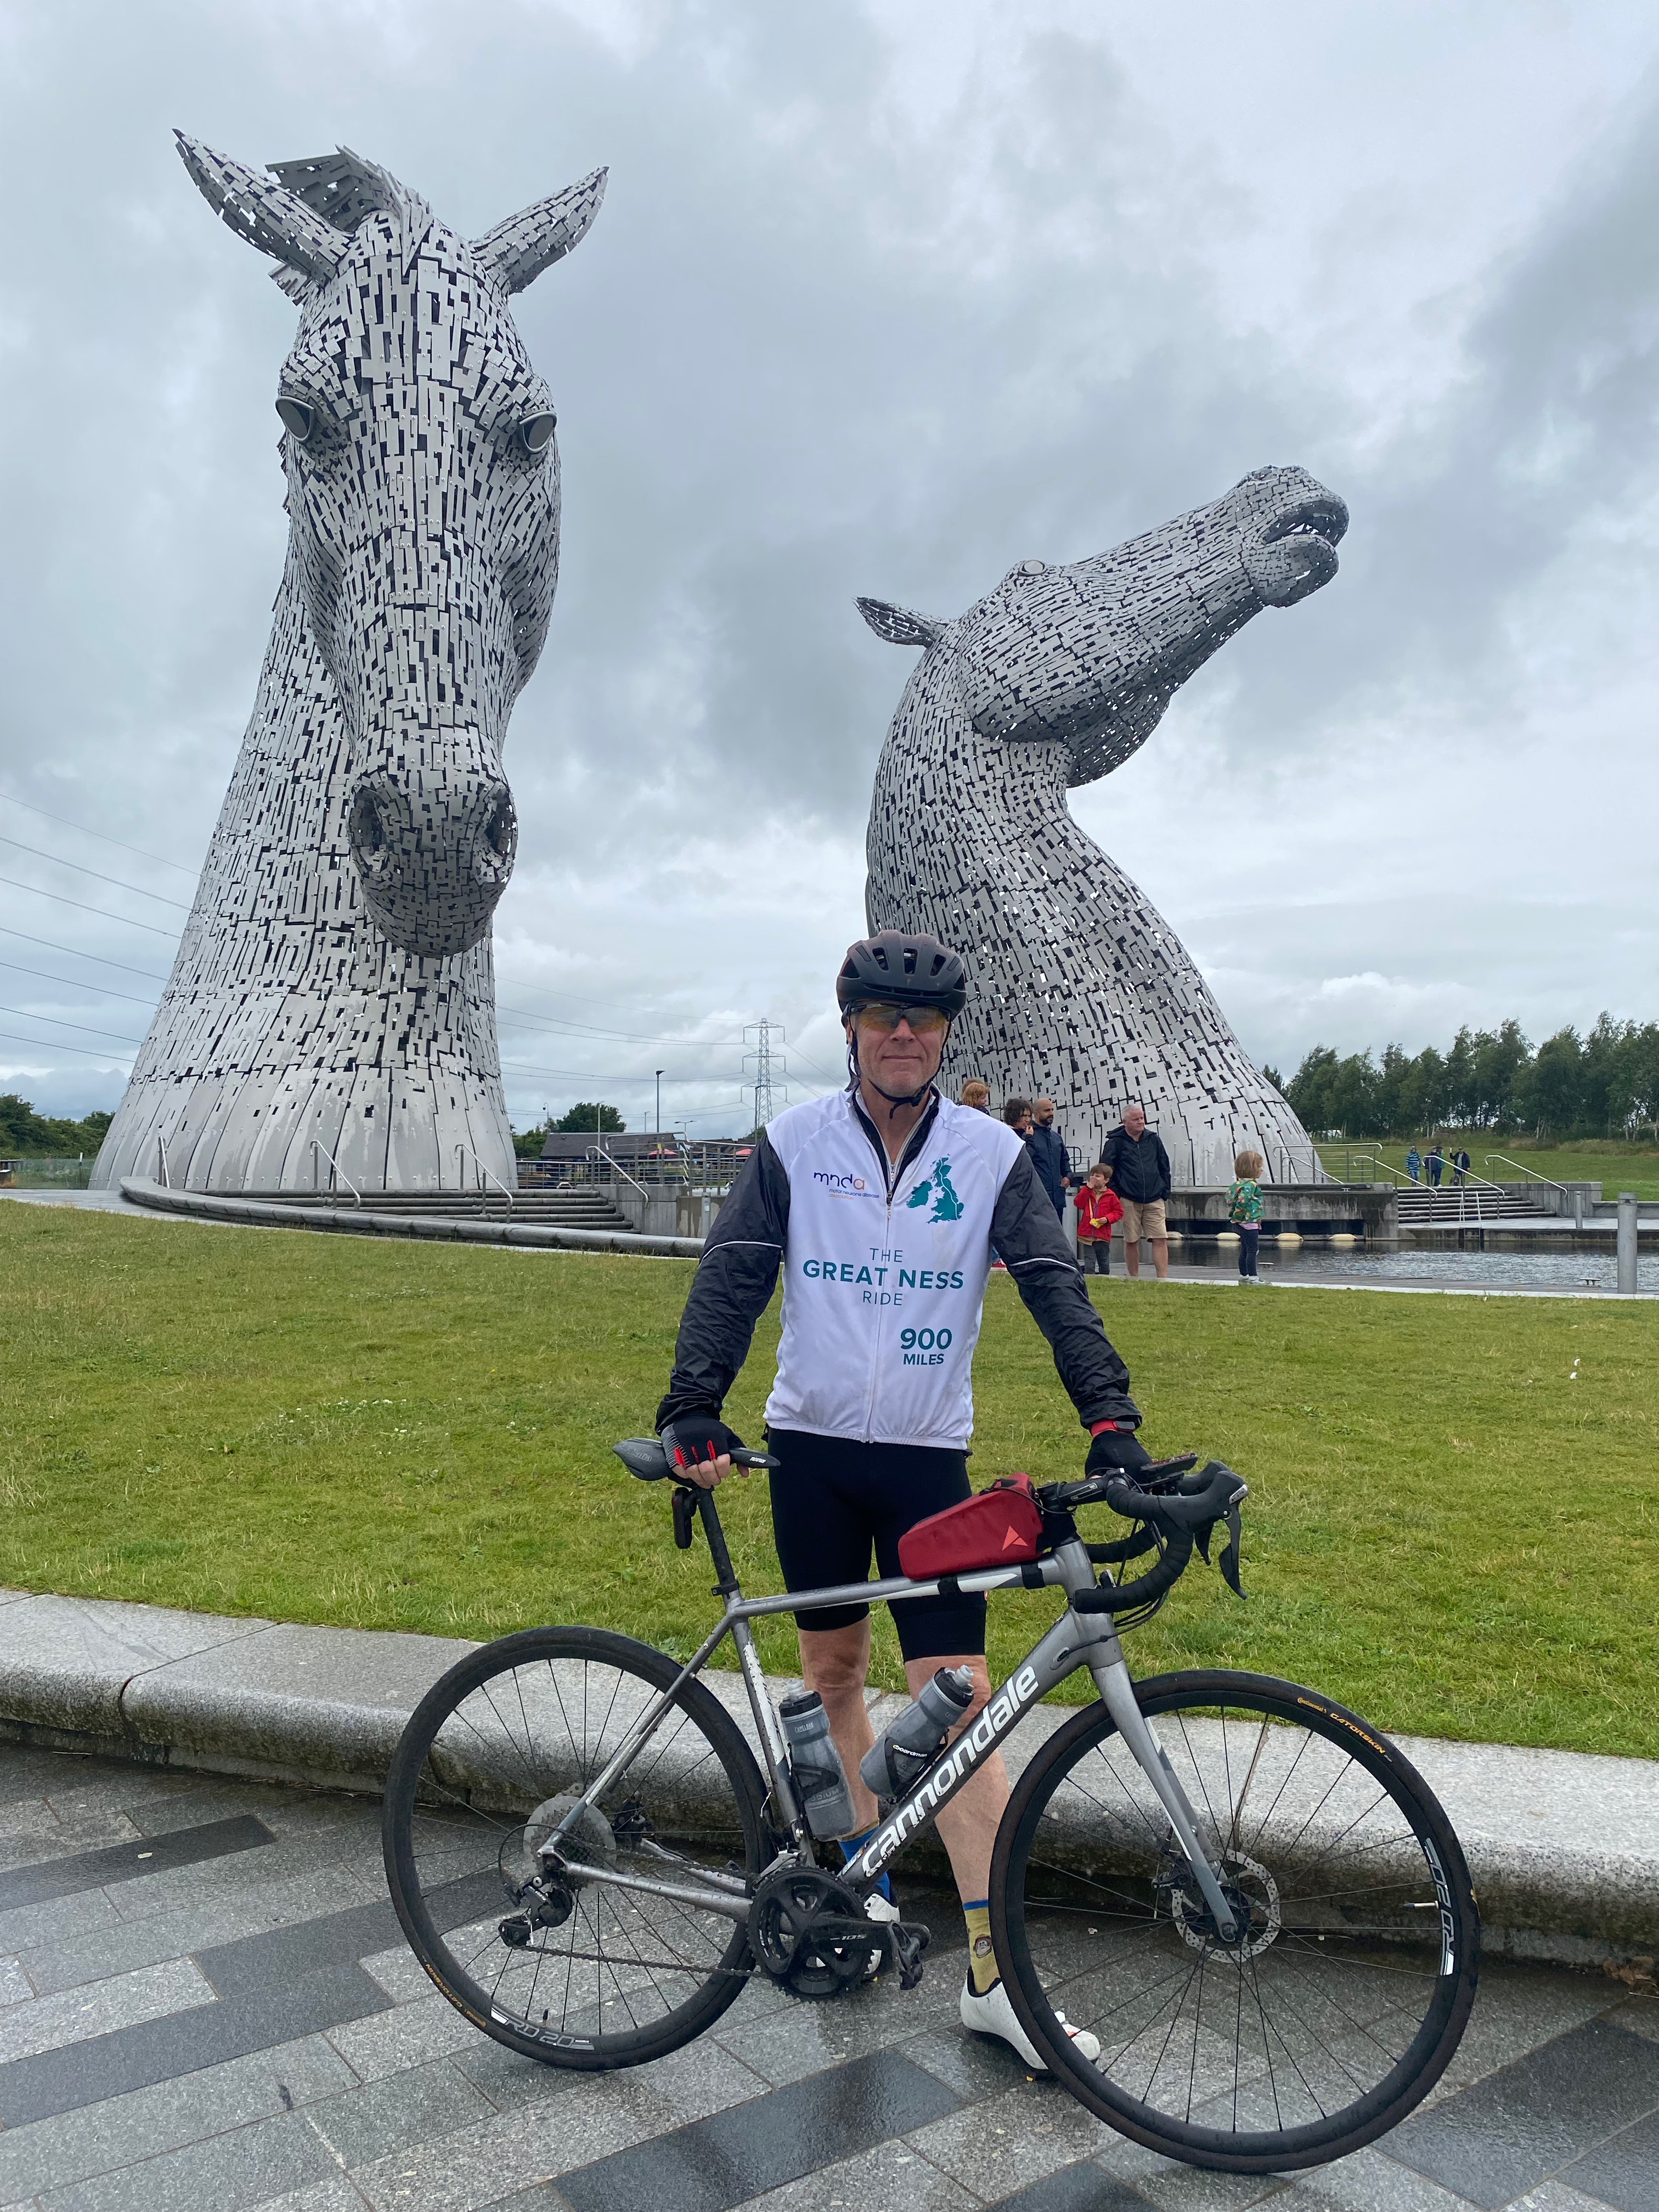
x=1605, y=1085
x=25, y=1134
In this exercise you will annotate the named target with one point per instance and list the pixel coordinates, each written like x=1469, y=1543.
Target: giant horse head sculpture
x=1081, y=991
x=423, y=505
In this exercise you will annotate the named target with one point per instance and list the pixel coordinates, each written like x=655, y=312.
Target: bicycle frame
x=1076, y=1639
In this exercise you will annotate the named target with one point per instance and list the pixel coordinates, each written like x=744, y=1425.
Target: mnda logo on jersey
x=938, y=1188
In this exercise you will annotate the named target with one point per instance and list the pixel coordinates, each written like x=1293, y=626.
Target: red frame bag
x=998, y=1527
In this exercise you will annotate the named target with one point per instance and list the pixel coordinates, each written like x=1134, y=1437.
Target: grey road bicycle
x=1241, y=1889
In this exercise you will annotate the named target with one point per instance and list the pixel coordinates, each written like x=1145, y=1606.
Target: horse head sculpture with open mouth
x=1081, y=990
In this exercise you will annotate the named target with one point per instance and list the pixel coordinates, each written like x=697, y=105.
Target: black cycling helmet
x=905, y=968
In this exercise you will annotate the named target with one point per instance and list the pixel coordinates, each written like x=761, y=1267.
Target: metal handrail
x=318, y=1145
x=1531, y=1174
x=1416, y=1183
x=598, y=1152
x=466, y=1152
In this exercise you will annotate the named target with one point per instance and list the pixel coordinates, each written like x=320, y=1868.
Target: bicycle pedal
x=907, y=1942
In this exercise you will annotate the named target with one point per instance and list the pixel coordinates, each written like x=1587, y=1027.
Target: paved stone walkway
x=206, y=2006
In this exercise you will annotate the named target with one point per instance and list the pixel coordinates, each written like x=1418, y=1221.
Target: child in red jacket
x=1099, y=1210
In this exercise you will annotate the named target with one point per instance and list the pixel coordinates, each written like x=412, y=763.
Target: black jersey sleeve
x=735, y=1278
x=1031, y=1244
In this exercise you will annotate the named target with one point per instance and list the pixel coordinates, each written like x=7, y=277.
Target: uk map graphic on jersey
x=947, y=1207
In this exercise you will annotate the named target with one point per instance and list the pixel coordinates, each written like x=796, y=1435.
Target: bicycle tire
x=513, y=1731
x=1347, y=2000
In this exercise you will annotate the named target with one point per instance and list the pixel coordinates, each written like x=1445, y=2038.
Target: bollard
x=1627, y=1240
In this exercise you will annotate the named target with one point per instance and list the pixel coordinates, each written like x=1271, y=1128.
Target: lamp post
x=659, y=1102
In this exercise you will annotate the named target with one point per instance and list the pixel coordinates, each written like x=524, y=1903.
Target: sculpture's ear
x=268, y=216
x=898, y=625
x=521, y=247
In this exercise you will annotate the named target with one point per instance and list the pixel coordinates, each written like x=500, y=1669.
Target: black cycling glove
x=1116, y=1451
x=698, y=1437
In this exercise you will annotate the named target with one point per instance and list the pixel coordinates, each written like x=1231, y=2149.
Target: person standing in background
x=1434, y=1164
x=1050, y=1155
x=1415, y=1163
x=1244, y=1211
x=1134, y=1157
x=976, y=1095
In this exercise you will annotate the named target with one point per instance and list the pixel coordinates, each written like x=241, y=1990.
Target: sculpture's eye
x=535, y=434
x=298, y=415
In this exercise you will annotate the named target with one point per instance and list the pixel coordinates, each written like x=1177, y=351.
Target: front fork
x=1117, y=1694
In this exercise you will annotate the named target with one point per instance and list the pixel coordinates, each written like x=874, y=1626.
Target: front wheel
x=588, y=1972
x=1342, y=1996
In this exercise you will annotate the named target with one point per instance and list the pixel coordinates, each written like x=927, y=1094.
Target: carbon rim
x=578, y=1974
x=1343, y=2002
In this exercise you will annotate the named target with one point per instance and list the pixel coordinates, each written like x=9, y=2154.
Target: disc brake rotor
x=1251, y=1896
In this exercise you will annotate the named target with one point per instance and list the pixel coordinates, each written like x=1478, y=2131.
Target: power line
x=13, y=968
x=103, y=912
x=29, y=807
x=582, y=1028
x=45, y=1044
x=85, y=1027
x=76, y=953
x=161, y=897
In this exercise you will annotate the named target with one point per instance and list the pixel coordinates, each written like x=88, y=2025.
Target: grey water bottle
x=897, y=1758
x=820, y=1777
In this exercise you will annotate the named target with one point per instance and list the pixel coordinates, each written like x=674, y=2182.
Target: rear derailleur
x=812, y=1933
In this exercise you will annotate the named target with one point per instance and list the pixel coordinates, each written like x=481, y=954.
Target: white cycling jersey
x=883, y=1296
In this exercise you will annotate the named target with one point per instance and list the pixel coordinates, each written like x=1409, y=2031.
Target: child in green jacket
x=1244, y=1211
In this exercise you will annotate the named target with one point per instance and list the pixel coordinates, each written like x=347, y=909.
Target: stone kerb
x=1564, y=1846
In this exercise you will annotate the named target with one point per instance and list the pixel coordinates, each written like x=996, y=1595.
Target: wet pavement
x=204, y=2003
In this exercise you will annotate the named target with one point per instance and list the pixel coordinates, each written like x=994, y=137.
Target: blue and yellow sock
x=850, y=1848
x=981, y=1952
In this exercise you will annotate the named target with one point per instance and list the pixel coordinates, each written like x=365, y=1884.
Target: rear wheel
x=584, y=1974
x=1338, y=2006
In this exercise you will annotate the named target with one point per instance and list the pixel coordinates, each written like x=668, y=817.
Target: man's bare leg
x=1131, y=1256
x=836, y=1662
x=1160, y=1255
x=967, y=1826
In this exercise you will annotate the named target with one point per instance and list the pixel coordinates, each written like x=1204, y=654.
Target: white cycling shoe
x=993, y=2015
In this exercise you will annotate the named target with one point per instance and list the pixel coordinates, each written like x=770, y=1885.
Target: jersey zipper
x=913, y=1150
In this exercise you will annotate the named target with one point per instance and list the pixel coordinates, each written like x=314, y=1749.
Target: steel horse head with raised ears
x=423, y=506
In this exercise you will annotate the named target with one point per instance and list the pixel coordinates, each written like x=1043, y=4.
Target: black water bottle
x=896, y=1758
x=820, y=1778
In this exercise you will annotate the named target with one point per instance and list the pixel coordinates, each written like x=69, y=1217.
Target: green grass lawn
x=1615, y=1167
x=1445, y=1528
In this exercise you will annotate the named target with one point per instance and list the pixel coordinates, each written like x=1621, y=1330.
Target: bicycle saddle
x=645, y=1457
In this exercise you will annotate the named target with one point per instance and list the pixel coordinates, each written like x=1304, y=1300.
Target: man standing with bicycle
x=881, y=1204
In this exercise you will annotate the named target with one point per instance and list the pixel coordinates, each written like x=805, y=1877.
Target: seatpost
x=727, y=1581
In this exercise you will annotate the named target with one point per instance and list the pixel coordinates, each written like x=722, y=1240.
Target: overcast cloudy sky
x=884, y=299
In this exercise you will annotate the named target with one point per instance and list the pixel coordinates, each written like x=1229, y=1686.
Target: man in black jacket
x=882, y=1194
x=1048, y=1154
x=1134, y=1159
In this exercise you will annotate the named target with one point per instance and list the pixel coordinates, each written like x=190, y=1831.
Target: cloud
x=882, y=300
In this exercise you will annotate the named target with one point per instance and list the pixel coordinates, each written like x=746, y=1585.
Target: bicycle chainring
x=809, y=1932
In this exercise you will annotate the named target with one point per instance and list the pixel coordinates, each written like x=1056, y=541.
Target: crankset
x=811, y=1933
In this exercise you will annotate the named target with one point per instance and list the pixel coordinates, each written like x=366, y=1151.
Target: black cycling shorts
x=833, y=1501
